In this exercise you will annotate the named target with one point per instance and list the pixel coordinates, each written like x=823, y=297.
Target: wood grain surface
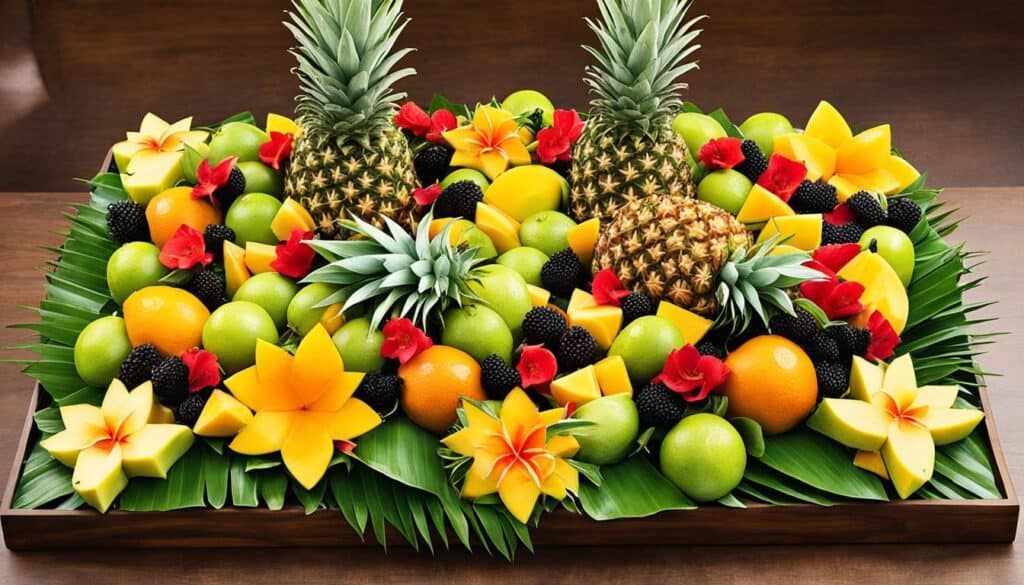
x=30, y=220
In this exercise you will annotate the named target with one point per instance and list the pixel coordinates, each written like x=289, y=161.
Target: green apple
x=504, y=290
x=475, y=237
x=697, y=130
x=303, y=313
x=99, y=350
x=472, y=175
x=527, y=261
x=250, y=216
x=478, y=331
x=611, y=438
x=260, y=178
x=725, y=188
x=644, y=345
x=527, y=101
x=272, y=291
x=231, y=333
x=133, y=266
x=704, y=456
x=359, y=346
x=764, y=127
x=895, y=247
x=546, y=231
x=236, y=139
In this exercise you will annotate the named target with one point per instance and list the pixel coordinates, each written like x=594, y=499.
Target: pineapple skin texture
x=333, y=181
x=612, y=167
x=671, y=248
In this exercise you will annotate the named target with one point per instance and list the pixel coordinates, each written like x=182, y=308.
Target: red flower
x=841, y=215
x=203, y=371
x=294, y=258
x=884, y=338
x=783, y=176
x=403, y=340
x=691, y=374
x=722, y=153
x=185, y=249
x=209, y=178
x=607, y=288
x=835, y=256
x=536, y=366
x=839, y=300
x=441, y=121
x=345, y=447
x=425, y=196
x=412, y=118
x=275, y=150
x=555, y=143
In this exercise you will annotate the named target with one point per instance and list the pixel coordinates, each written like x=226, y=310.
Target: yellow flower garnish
x=490, y=144
x=156, y=136
x=513, y=456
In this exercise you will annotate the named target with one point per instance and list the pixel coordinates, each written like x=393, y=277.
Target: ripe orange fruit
x=434, y=381
x=772, y=381
x=173, y=207
x=169, y=318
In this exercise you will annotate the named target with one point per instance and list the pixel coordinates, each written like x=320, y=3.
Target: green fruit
x=725, y=188
x=359, y=346
x=133, y=266
x=260, y=178
x=471, y=175
x=231, y=333
x=546, y=231
x=99, y=350
x=504, y=290
x=478, y=331
x=236, y=139
x=476, y=238
x=270, y=290
x=704, y=456
x=644, y=345
x=250, y=216
x=303, y=313
x=697, y=130
x=612, y=436
x=527, y=261
x=191, y=160
x=764, y=127
x=895, y=247
x=527, y=101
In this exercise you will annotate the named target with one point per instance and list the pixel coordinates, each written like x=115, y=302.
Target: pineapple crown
x=345, y=54
x=644, y=45
x=413, y=276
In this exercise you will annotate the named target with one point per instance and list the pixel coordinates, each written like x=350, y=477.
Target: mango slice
x=828, y=125
x=579, y=387
x=291, y=216
x=499, y=226
x=883, y=290
x=235, y=270
x=580, y=299
x=762, y=205
x=800, y=231
x=909, y=454
x=691, y=325
x=871, y=461
x=259, y=256
x=539, y=297
x=856, y=424
x=602, y=321
x=818, y=157
x=154, y=449
x=222, y=416
x=612, y=376
x=583, y=238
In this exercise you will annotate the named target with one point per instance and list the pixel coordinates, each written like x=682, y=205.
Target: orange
x=772, y=381
x=434, y=381
x=169, y=318
x=173, y=207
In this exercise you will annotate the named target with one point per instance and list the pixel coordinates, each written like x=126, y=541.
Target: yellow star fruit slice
x=828, y=125
x=856, y=424
x=152, y=450
x=98, y=476
x=909, y=455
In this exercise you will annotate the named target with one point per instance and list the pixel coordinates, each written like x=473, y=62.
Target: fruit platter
x=501, y=324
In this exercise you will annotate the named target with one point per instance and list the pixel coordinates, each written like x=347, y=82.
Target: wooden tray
x=913, y=521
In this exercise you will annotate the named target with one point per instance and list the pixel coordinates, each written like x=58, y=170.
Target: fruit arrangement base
x=908, y=521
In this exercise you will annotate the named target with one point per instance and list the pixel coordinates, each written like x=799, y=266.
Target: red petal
x=441, y=121
x=722, y=153
x=568, y=123
x=552, y=146
x=185, y=250
x=277, y=149
x=345, y=447
x=607, y=288
x=783, y=176
x=426, y=196
x=536, y=365
x=835, y=256
x=294, y=258
x=203, y=370
x=209, y=178
x=403, y=340
x=841, y=215
x=884, y=338
x=412, y=118
x=839, y=300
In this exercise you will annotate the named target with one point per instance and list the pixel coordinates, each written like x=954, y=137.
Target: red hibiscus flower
x=835, y=256
x=277, y=149
x=722, y=153
x=691, y=374
x=210, y=178
x=608, y=289
x=203, y=371
x=537, y=366
x=441, y=121
x=185, y=250
x=412, y=118
x=555, y=143
x=883, y=337
x=838, y=299
x=403, y=340
x=841, y=215
x=783, y=176
x=294, y=258
x=425, y=196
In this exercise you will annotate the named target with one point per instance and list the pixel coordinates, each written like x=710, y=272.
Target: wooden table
x=31, y=220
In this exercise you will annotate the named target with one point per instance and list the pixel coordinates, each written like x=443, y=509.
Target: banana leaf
x=631, y=489
x=815, y=460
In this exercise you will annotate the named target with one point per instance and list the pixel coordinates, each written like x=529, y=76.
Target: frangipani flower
x=303, y=404
x=156, y=136
x=513, y=455
x=490, y=144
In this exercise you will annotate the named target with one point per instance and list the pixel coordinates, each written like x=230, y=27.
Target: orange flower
x=490, y=144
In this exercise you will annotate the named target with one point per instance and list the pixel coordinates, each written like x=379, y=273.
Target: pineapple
x=349, y=157
x=628, y=150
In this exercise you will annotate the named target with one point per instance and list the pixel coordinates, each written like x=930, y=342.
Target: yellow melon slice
x=762, y=205
x=539, y=297
x=579, y=387
x=291, y=216
x=602, y=321
x=223, y=416
x=235, y=271
x=259, y=256
x=612, y=376
x=818, y=157
x=690, y=324
x=500, y=227
x=799, y=231
x=582, y=239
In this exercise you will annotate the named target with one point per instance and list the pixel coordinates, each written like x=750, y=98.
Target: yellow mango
x=522, y=191
x=539, y=297
x=235, y=271
x=856, y=424
x=949, y=425
x=222, y=416
x=762, y=205
x=871, y=461
x=800, y=231
x=582, y=239
x=580, y=299
x=499, y=226
x=152, y=451
x=828, y=125
x=579, y=387
x=883, y=290
x=691, y=325
x=259, y=256
x=865, y=152
x=602, y=321
x=818, y=157
x=909, y=455
x=612, y=376
x=902, y=171
x=291, y=216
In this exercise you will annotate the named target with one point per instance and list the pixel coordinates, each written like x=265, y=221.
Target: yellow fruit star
x=490, y=144
x=156, y=136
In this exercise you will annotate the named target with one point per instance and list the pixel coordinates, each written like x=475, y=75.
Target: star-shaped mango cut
x=513, y=455
x=849, y=162
x=302, y=404
x=127, y=436
x=889, y=418
x=490, y=144
x=156, y=136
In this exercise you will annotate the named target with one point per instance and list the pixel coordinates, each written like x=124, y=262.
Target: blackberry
x=379, y=391
x=189, y=410
x=813, y=198
x=866, y=209
x=840, y=234
x=708, y=347
x=833, y=379
x=138, y=366
x=658, y=406
x=231, y=190
x=852, y=341
x=576, y=349
x=214, y=237
x=432, y=163
x=170, y=380
x=904, y=214
x=754, y=163
x=821, y=347
x=544, y=325
x=636, y=305
x=126, y=221
x=459, y=200
x=209, y=287
x=796, y=328
x=562, y=273
x=497, y=377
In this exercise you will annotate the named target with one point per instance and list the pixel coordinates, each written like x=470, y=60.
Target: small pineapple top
x=344, y=50
x=644, y=47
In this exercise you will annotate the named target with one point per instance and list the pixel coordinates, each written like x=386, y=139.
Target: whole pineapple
x=350, y=158
x=628, y=150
